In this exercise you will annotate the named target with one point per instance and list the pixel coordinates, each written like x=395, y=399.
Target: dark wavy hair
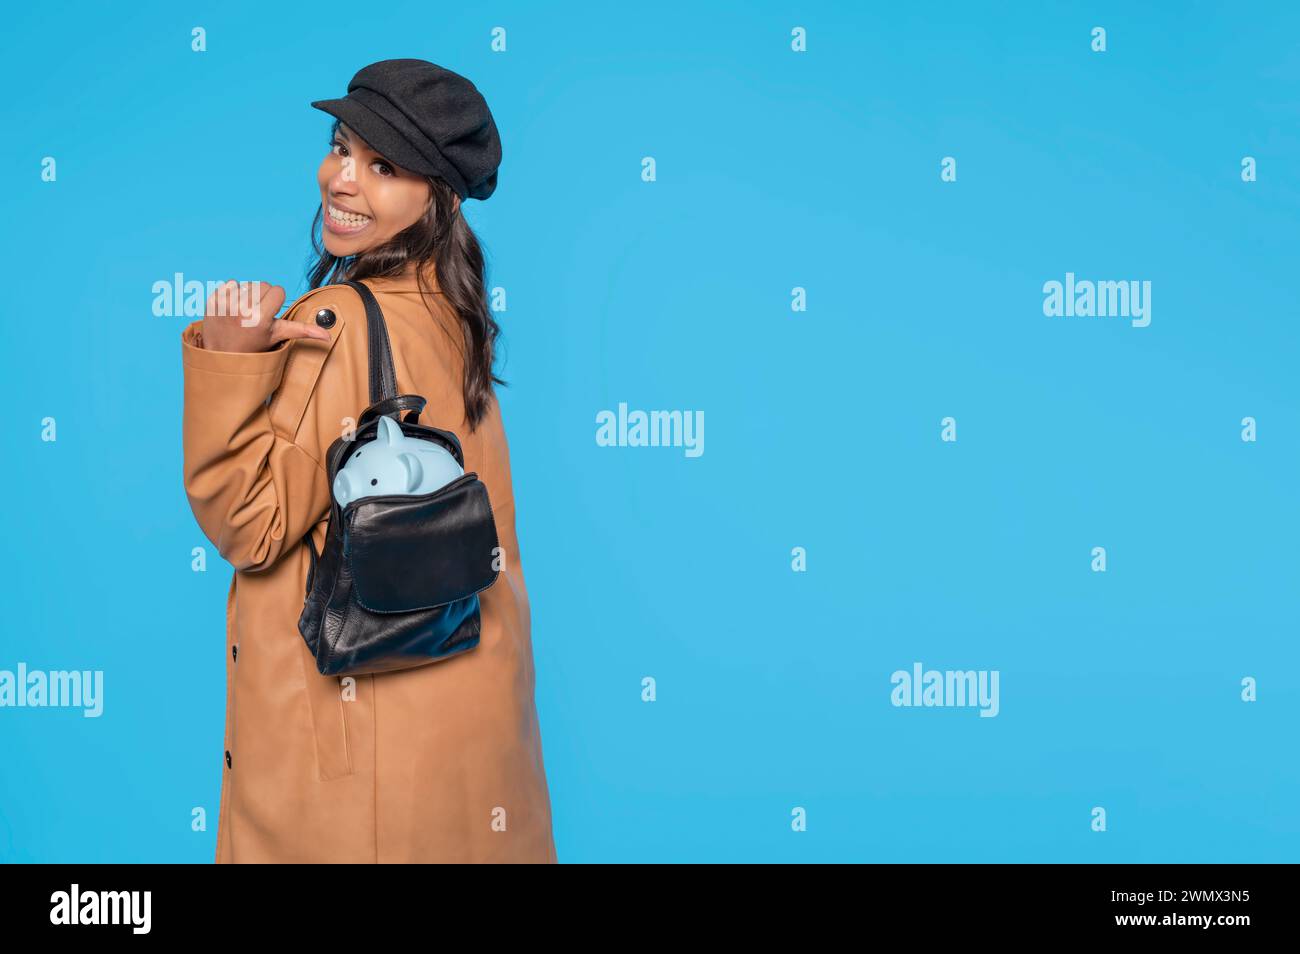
x=443, y=235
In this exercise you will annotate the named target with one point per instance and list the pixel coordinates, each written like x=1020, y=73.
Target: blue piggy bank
x=394, y=464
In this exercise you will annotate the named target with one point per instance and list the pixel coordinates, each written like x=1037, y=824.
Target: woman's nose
x=344, y=181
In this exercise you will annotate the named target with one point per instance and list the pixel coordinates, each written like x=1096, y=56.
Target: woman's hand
x=240, y=316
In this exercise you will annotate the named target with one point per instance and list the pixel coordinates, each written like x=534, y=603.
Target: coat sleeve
x=254, y=490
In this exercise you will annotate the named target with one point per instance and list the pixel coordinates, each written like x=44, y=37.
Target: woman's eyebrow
x=353, y=139
x=378, y=155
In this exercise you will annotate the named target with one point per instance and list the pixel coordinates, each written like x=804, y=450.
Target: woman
x=442, y=762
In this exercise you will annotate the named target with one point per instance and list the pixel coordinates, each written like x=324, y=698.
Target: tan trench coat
x=442, y=763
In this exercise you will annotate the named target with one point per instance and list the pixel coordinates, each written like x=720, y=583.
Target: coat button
x=325, y=318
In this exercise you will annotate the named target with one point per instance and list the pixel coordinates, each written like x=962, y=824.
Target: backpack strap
x=383, y=378
x=412, y=404
x=383, y=384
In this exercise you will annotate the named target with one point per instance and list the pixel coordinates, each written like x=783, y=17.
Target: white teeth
x=349, y=219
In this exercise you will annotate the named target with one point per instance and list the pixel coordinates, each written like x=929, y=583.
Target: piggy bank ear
x=389, y=431
x=342, y=489
x=414, y=472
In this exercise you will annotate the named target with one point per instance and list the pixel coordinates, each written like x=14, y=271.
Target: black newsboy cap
x=426, y=119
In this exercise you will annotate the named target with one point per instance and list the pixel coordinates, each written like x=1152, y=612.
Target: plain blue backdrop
x=775, y=170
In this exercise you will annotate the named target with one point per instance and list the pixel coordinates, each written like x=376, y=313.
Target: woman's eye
x=338, y=148
x=384, y=168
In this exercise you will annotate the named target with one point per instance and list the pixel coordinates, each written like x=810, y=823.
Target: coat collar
x=406, y=282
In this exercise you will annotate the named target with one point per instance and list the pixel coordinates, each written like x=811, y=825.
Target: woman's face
x=365, y=199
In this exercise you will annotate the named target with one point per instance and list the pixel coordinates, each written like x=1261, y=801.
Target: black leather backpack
x=396, y=584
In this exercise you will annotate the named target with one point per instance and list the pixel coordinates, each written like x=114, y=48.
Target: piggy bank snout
x=342, y=487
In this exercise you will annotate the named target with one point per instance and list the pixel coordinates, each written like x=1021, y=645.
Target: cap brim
x=376, y=132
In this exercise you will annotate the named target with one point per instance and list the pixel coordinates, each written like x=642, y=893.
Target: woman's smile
x=345, y=222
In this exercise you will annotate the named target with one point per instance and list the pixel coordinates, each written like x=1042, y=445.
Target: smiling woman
x=437, y=762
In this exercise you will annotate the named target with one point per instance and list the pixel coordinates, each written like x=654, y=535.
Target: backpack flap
x=409, y=553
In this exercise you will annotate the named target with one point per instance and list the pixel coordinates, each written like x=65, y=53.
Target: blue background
x=775, y=170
